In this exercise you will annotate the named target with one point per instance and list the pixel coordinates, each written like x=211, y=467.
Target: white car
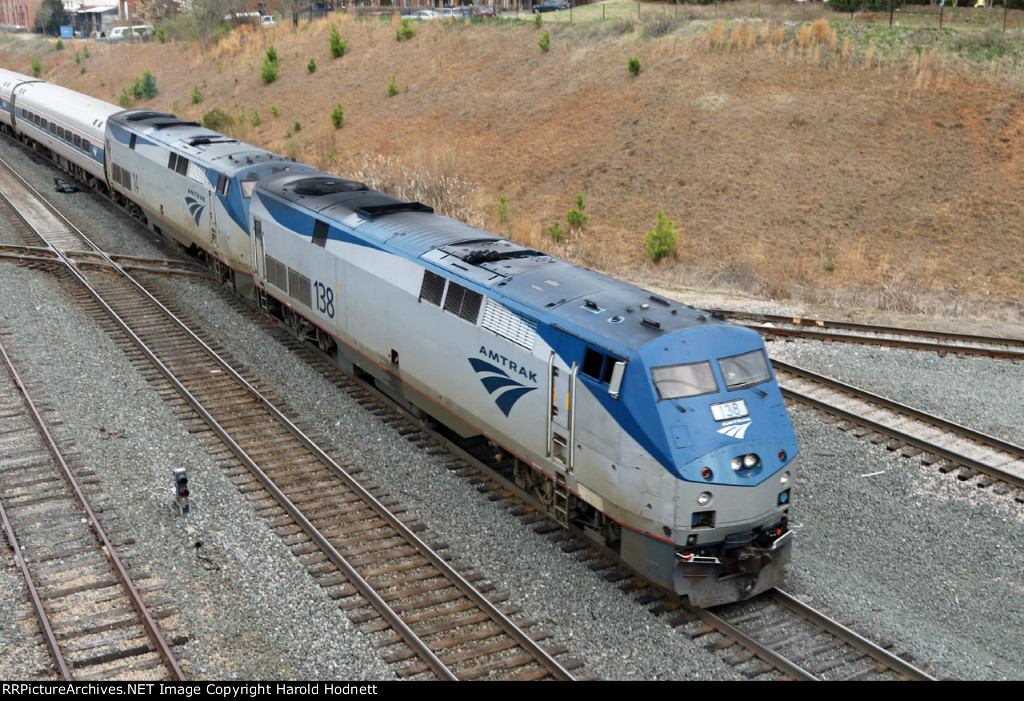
x=423, y=14
x=267, y=21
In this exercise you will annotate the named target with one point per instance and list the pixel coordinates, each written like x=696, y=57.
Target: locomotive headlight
x=737, y=463
x=704, y=498
x=750, y=460
x=784, y=479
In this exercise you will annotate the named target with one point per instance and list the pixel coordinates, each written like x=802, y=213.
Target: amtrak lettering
x=505, y=390
x=510, y=364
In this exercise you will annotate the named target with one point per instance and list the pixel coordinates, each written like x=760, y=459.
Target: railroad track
x=434, y=621
x=772, y=636
x=778, y=632
x=949, y=446
x=831, y=331
x=89, y=607
x=756, y=656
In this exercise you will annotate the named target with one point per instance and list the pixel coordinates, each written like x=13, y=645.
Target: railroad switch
x=181, y=491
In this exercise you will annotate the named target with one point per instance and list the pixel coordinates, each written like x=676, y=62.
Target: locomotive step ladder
x=560, y=502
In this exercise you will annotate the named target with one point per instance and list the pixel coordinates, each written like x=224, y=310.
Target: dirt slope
x=789, y=171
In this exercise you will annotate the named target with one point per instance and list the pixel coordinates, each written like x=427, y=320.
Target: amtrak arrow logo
x=195, y=207
x=497, y=382
x=736, y=431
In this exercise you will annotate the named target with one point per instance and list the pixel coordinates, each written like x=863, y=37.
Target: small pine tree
x=393, y=86
x=556, y=232
x=255, y=120
x=661, y=241
x=405, y=31
x=268, y=73
x=502, y=209
x=311, y=66
x=197, y=96
x=37, y=67
x=338, y=46
x=147, y=89
x=575, y=217
x=634, y=66
x=545, y=41
x=338, y=116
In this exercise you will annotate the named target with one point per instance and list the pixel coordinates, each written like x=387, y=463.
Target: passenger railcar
x=656, y=427
x=70, y=125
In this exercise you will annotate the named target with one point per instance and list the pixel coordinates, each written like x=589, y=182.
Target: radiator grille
x=508, y=325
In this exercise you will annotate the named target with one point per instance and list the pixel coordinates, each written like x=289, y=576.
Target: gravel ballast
x=929, y=563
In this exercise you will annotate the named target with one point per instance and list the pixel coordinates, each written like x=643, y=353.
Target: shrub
x=197, y=96
x=556, y=232
x=634, y=66
x=218, y=120
x=59, y=45
x=255, y=119
x=575, y=217
x=297, y=127
x=338, y=116
x=311, y=66
x=502, y=209
x=274, y=112
x=147, y=85
x=338, y=47
x=143, y=87
x=405, y=30
x=270, y=67
x=545, y=41
x=392, y=86
x=37, y=67
x=661, y=241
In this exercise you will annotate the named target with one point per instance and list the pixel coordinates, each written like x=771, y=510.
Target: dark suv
x=550, y=6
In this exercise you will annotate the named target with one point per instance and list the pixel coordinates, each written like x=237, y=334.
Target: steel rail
x=866, y=328
x=37, y=604
x=944, y=424
x=410, y=637
x=134, y=596
x=946, y=341
x=851, y=637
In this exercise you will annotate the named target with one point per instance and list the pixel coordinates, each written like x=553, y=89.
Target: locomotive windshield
x=689, y=380
x=745, y=369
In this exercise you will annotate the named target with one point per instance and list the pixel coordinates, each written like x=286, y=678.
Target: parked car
x=138, y=32
x=551, y=6
x=267, y=21
x=423, y=14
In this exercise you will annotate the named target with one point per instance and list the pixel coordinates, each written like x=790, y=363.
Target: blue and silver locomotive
x=655, y=427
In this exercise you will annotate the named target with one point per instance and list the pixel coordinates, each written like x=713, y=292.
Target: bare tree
x=207, y=15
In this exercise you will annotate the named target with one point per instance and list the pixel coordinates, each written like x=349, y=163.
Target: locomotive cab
x=703, y=486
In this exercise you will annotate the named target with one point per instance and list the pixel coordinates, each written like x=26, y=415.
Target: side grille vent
x=463, y=303
x=501, y=321
x=277, y=274
x=432, y=289
x=123, y=177
x=299, y=288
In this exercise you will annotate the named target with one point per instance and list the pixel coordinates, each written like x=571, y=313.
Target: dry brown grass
x=770, y=148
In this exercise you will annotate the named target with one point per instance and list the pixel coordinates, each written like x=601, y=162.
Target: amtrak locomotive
x=657, y=428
